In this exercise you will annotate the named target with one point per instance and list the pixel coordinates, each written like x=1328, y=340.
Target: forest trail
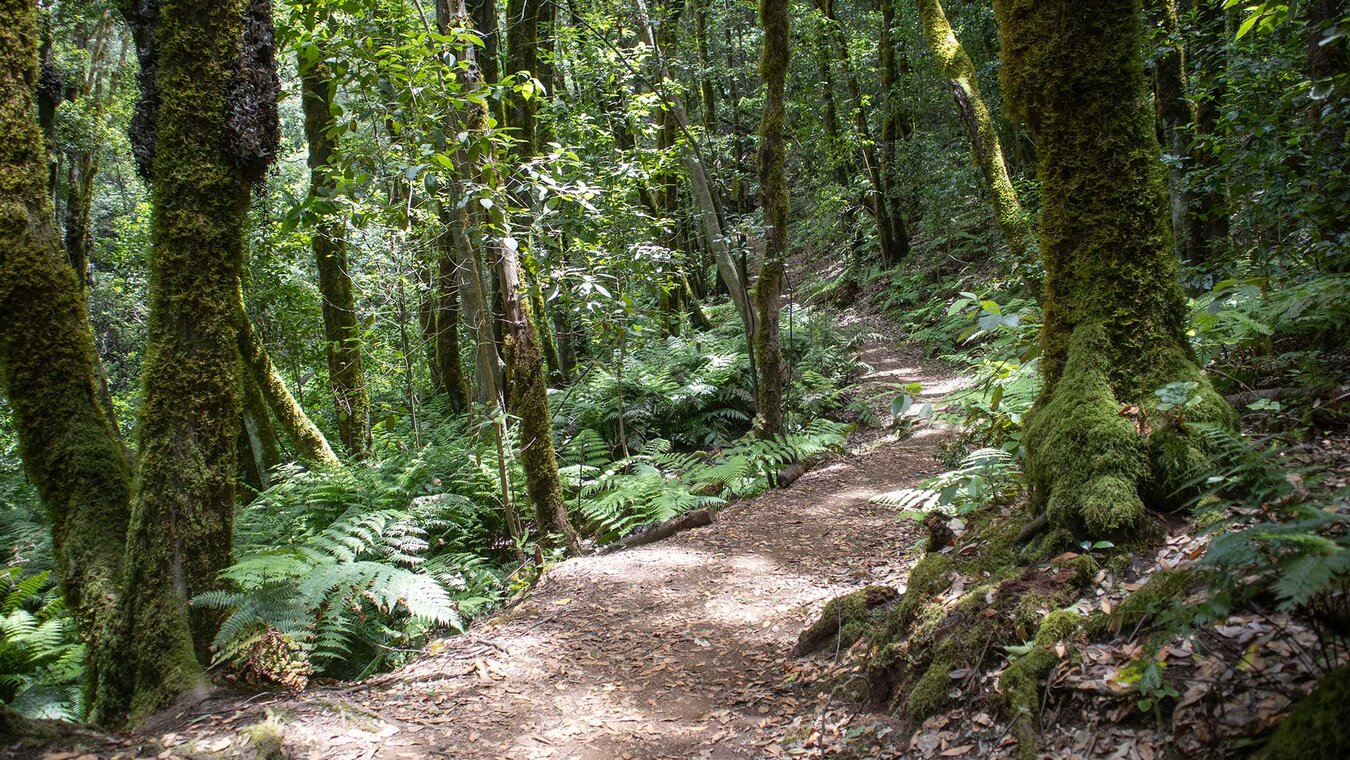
x=678, y=649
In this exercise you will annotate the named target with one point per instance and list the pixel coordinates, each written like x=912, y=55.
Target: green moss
x=266, y=738
x=304, y=435
x=985, y=149
x=1319, y=726
x=1162, y=592
x=931, y=693
x=1114, y=309
x=929, y=577
x=71, y=451
x=529, y=402
x=1020, y=684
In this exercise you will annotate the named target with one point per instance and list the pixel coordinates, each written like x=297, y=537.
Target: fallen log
x=658, y=531
x=842, y=618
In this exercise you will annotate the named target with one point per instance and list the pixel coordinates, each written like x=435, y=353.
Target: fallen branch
x=657, y=531
x=1272, y=394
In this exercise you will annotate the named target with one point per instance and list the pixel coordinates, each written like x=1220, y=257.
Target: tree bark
x=1114, y=309
x=773, y=66
x=1176, y=116
x=342, y=332
x=206, y=139
x=986, y=152
x=709, y=213
x=521, y=342
x=71, y=451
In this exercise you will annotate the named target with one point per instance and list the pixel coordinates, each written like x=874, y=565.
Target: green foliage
x=1283, y=540
x=982, y=477
x=659, y=483
x=359, y=567
x=41, y=655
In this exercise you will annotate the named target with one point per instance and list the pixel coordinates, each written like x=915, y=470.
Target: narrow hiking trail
x=679, y=649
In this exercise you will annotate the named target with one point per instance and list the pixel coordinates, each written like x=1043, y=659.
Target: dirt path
x=679, y=649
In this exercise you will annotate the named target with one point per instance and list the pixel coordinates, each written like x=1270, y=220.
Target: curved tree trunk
x=206, y=132
x=309, y=442
x=773, y=66
x=71, y=451
x=341, y=331
x=986, y=152
x=1114, y=310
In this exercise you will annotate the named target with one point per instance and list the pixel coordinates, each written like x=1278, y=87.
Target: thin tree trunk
x=71, y=451
x=309, y=442
x=1176, y=116
x=342, y=332
x=710, y=215
x=447, y=321
x=707, y=90
x=892, y=237
x=1208, y=219
x=773, y=66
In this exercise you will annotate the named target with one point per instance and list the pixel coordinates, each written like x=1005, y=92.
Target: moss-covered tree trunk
x=521, y=345
x=342, y=331
x=986, y=151
x=206, y=132
x=309, y=442
x=71, y=452
x=1073, y=73
x=446, y=320
x=773, y=66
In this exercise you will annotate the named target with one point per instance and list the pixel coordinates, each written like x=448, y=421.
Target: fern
x=984, y=476
x=41, y=655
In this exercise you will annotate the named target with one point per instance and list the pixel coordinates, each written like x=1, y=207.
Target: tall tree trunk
x=709, y=212
x=309, y=442
x=342, y=331
x=985, y=150
x=892, y=237
x=841, y=158
x=446, y=319
x=521, y=343
x=1208, y=219
x=1329, y=71
x=1114, y=310
x=1176, y=116
x=206, y=134
x=773, y=66
x=706, y=88
x=71, y=451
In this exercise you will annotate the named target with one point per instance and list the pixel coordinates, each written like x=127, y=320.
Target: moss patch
x=1319, y=726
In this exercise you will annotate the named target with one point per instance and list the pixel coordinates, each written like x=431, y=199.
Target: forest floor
x=679, y=649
